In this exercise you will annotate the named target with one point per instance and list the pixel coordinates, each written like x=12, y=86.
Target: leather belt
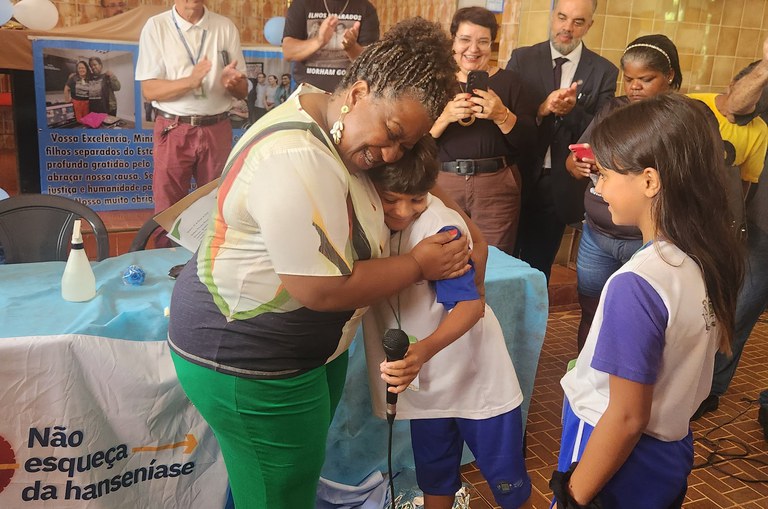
x=194, y=120
x=472, y=166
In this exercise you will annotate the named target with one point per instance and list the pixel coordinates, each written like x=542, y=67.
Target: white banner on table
x=127, y=437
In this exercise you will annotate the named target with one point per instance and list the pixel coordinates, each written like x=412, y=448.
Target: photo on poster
x=270, y=84
x=86, y=102
x=88, y=87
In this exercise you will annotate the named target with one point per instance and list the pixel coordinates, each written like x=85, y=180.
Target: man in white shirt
x=183, y=70
x=571, y=83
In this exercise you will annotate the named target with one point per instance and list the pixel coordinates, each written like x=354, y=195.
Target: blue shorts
x=655, y=476
x=496, y=442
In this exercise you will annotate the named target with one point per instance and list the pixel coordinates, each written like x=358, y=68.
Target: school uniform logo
x=708, y=313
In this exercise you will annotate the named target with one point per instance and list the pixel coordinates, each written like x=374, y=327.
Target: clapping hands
x=560, y=102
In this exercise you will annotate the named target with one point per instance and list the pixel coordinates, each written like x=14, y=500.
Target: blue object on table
x=134, y=276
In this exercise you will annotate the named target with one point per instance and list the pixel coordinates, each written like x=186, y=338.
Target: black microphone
x=395, y=343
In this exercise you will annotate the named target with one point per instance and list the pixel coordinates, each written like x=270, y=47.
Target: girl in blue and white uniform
x=647, y=362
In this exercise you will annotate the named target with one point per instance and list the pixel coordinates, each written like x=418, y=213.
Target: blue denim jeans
x=599, y=257
x=752, y=301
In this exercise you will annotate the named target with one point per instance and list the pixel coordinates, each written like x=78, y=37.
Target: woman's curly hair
x=412, y=59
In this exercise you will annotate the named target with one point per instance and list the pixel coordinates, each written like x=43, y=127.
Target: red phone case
x=582, y=151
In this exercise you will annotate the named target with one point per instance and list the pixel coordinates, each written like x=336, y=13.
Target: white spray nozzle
x=77, y=238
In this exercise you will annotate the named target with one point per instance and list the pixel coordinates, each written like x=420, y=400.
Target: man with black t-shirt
x=319, y=54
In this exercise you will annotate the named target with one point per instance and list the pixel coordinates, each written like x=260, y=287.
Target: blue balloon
x=273, y=30
x=6, y=11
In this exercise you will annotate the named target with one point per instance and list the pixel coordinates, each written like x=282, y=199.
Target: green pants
x=272, y=433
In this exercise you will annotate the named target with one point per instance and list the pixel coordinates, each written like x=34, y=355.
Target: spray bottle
x=78, y=284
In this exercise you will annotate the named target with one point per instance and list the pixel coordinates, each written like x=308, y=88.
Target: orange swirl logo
x=7, y=463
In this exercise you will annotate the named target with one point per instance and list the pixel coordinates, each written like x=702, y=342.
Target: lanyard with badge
x=201, y=91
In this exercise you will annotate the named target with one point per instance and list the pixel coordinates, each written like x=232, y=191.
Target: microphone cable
x=390, y=425
x=716, y=455
x=390, y=416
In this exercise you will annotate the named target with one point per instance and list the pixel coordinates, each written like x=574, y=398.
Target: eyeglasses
x=467, y=41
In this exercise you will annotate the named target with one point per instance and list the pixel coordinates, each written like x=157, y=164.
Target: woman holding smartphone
x=481, y=133
x=650, y=66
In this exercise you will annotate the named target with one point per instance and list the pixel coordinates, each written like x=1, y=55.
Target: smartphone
x=477, y=80
x=175, y=271
x=582, y=151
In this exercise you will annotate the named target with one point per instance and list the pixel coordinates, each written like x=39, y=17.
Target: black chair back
x=142, y=236
x=38, y=227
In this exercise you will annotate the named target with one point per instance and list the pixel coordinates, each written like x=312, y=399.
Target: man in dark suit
x=570, y=84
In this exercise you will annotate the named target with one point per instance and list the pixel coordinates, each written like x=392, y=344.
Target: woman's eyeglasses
x=467, y=41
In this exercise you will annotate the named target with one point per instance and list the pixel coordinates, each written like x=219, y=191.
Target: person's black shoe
x=710, y=404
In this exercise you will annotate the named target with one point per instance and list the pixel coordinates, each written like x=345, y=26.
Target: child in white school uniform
x=466, y=389
x=647, y=362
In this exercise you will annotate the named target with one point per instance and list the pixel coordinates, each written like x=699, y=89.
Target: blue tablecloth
x=31, y=303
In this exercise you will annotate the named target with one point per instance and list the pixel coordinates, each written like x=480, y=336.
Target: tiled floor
x=708, y=488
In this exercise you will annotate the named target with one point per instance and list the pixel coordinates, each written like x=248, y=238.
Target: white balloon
x=36, y=14
x=6, y=11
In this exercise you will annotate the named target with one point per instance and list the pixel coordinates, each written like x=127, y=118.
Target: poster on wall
x=90, y=147
x=95, y=129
